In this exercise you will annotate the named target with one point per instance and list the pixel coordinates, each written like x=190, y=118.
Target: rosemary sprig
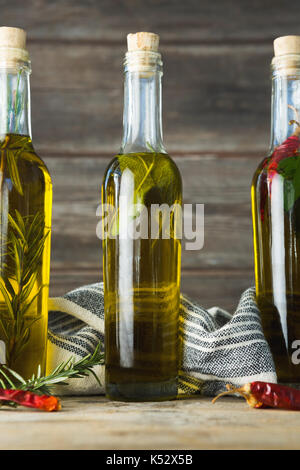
x=11, y=149
x=18, y=283
x=63, y=372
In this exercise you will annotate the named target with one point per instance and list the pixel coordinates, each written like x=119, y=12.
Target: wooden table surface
x=96, y=423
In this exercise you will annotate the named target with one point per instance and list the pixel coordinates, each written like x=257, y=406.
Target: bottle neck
x=15, y=100
x=142, y=120
x=285, y=114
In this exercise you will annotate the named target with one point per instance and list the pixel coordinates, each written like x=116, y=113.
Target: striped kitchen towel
x=217, y=347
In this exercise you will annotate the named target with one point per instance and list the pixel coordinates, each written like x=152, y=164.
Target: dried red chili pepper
x=265, y=394
x=30, y=399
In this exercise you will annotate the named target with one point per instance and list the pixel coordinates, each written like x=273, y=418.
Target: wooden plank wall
x=216, y=103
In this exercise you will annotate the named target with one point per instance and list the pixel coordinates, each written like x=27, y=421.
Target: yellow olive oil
x=276, y=248
x=25, y=220
x=142, y=282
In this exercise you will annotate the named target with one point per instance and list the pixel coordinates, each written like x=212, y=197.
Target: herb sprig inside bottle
x=25, y=217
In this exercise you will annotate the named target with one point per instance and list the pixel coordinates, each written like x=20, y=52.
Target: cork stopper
x=143, y=56
x=12, y=46
x=287, y=45
x=286, y=60
x=12, y=37
x=142, y=42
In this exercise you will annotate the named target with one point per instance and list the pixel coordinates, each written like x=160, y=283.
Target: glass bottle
x=25, y=217
x=276, y=216
x=142, y=272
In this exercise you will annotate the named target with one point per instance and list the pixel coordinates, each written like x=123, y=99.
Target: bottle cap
x=13, y=46
x=287, y=45
x=143, y=56
x=286, y=60
x=142, y=42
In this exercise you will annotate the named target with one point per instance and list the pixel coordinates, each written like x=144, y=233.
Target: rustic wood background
x=216, y=102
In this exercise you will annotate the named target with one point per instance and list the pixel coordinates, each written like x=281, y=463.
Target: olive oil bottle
x=25, y=217
x=276, y=216
x=142, y=273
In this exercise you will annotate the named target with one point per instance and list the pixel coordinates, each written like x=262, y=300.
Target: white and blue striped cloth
x=218, y=348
